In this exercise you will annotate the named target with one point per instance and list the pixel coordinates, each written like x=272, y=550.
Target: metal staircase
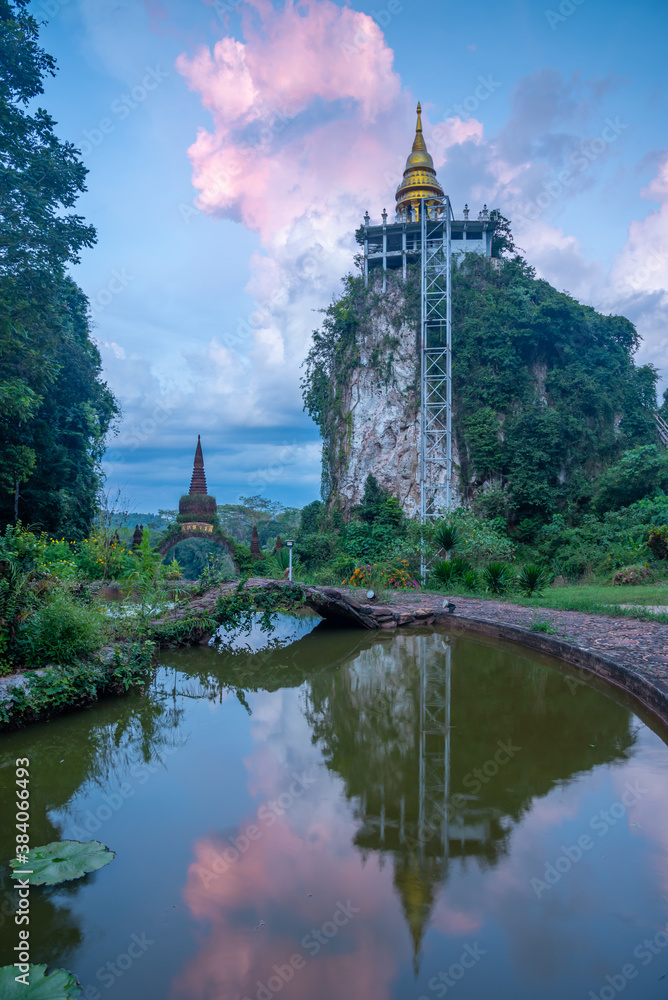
x=662, y=428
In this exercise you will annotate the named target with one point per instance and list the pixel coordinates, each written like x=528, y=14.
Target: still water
x=344, y=815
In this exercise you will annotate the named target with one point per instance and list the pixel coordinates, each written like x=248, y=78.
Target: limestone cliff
x=546, y=392
x=372, y=424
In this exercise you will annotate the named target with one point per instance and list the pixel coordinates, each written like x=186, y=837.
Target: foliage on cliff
x=546, y=392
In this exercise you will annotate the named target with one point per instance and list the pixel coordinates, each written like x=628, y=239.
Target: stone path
x=629, y=652
x=632, y=642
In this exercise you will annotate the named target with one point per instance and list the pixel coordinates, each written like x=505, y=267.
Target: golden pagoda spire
x=419, y=179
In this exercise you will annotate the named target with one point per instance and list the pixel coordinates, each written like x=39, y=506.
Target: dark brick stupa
x=198, y=481
x=255, y=544
x=197, y=510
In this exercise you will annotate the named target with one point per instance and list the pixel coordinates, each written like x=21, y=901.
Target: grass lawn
x=631, y=601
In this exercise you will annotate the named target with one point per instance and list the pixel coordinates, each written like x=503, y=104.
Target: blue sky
x=205, y=282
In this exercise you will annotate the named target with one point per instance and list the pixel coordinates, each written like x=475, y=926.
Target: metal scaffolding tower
x=436, y=362
x=434, y=751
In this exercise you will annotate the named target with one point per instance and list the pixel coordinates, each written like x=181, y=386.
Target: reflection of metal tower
x=434, y=752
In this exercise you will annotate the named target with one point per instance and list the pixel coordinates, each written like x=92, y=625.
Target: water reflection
x=342, y=816
x=441, y=765
x=73, y=762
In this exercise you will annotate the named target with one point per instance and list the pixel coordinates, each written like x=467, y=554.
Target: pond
x=347, y=815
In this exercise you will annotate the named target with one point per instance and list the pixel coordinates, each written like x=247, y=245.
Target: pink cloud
x=308, y=115
x=310, y=128
x=642, y=265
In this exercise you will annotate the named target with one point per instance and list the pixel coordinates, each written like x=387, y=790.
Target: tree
x=503, y=243
x=54, y=410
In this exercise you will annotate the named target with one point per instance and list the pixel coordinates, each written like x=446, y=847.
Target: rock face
x=378, y=432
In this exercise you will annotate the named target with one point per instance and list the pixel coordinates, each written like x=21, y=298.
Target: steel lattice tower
x=436, y=362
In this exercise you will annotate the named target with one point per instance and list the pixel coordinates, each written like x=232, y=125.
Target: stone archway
x=210, y=536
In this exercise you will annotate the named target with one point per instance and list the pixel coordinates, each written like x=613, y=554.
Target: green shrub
x=658, y=542
x=478, y=540
x=637, y=474
x=343, y=567
x=315, y=549
x=446, y=536
x=311, y=519
x=378, y=505
x=497, y=577
x=632, y=576
x=442, y=572
x=101, y=558
x=368, y=542
x=471, y=580
x=248, y=566
x=61, y=630
x=531, y=579
x=460, y=567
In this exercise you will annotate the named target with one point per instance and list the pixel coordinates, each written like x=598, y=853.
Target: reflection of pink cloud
x=271, y=882
x=648, y=817
x=453, y=921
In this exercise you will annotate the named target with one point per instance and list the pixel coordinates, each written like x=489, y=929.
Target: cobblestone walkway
x=639, y=646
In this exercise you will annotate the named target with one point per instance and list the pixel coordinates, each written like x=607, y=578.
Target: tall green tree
x=54, y=409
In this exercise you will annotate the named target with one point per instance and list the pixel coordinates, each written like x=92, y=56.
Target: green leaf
x=59, y=985
x=62, y=861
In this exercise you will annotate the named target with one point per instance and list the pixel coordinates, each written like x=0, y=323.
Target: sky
x=233, y=147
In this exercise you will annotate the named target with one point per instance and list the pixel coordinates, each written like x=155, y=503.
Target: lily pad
x=59, y=985
x=62, y=861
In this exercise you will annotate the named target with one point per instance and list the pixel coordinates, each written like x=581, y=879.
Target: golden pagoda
x=420, y=181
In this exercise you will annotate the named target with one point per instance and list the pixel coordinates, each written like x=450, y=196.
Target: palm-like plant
x=531, y=579
x=460, y=567
x=497, y=577
x=446, y=537
x=442, y=572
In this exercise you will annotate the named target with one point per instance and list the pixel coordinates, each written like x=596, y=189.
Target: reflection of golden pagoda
x=420, y=181
x=417, y=890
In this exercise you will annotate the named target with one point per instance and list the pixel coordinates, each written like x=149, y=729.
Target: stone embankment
x=629, y=653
